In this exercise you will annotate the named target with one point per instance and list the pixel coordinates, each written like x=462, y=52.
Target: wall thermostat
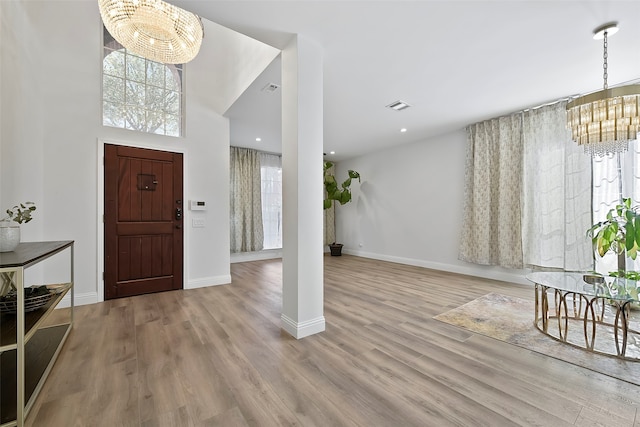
x=198, y=205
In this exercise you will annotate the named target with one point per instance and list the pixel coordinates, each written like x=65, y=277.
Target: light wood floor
x=217, y=357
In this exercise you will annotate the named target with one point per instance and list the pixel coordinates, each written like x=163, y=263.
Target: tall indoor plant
x=341, y=194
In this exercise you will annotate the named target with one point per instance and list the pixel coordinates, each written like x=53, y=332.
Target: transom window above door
x=139, y=94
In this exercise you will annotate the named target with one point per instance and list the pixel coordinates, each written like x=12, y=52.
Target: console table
x=30, y=341
x=596, y=315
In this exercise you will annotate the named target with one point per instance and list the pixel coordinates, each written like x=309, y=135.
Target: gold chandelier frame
x=605, y=121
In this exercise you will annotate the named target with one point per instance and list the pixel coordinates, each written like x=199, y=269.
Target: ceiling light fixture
x=258, y=139
x=403, y=130
x=605, y=121
x=332, y=152
x=398, y=105
x=153, y=29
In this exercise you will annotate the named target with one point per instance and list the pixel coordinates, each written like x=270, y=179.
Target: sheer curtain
x=329, y=216
x=271, y=174
x=556, y=178
x=247, y=233
x=527, y=194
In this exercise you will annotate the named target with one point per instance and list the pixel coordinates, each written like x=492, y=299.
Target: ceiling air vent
x=271, y=87
x=398, y=105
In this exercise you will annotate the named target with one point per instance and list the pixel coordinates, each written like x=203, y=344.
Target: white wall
x=409, y=207
x=19, y=92
x=52, y=138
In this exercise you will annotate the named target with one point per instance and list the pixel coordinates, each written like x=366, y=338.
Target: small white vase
x=9, y=237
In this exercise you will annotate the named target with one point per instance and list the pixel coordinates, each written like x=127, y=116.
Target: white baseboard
x=79, y=299
x=303, y=329
x=256, y=256
x=489, y=273
x=208, y=281
x=92, y=297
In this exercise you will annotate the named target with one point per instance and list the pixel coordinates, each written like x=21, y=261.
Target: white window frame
x=170, y=120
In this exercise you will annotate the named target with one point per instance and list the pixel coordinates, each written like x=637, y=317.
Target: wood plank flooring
x=217, y=357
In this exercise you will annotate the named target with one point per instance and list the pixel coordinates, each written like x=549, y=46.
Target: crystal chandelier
x=605, y=121
x=153, y=29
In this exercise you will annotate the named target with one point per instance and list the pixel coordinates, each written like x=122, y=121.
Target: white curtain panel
x=556, y=193
x=271, y=175
x=247, y=233
x=491, y=232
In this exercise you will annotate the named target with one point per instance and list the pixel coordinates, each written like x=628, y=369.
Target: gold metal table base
x=573, y=308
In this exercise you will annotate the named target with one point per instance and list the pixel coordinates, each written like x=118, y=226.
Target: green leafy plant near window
x=620, y=234
x=340, y=194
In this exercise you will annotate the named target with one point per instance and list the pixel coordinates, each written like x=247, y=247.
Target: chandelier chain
x=605, y=65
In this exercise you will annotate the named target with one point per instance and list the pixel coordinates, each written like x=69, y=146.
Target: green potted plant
x=341, y=194
x=619, y=233
x=10, y=232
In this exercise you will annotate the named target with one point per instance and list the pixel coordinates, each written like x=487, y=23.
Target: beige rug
x=510, y=320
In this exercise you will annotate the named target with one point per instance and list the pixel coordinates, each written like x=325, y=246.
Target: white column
x=302, y=140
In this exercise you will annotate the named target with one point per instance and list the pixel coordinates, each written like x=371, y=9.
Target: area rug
x=510, y=319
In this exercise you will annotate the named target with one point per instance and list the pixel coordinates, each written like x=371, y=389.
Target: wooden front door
x=143, y=231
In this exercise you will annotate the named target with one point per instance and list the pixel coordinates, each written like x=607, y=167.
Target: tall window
x=271, y=177
x=140, y=94
x=256, y=200
x=615, y=177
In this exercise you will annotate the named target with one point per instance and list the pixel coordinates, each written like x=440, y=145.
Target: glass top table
x=593, y=312
x=592, y=285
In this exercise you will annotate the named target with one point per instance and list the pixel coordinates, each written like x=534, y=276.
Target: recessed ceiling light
x=403, y=130
x=398, y=105
x=332, y=152
x=258, y=139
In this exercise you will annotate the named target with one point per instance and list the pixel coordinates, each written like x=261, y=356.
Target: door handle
x=178, y=214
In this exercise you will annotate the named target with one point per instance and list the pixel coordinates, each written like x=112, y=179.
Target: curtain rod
x=520, y=112
x=572, y=97
x=259, y=151
x=566, y=98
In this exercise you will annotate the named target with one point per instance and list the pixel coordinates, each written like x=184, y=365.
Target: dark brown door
x=143, y=221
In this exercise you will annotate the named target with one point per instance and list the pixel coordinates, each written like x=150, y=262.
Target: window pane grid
x=140, y=94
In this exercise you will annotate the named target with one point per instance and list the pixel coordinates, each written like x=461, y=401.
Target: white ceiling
x=257, y=113
x=455, y=62
x=244, y=59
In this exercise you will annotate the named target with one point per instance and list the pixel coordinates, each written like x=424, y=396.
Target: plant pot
x=9, y=236
x=336, y=249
